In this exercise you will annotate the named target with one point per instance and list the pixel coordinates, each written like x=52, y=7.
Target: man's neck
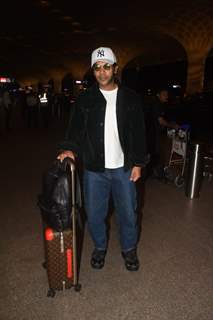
x=109, y=87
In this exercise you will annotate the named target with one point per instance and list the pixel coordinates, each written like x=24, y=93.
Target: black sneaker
x=131, y=260
x=98, y=258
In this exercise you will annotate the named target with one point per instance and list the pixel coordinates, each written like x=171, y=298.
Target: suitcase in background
x=63, y=249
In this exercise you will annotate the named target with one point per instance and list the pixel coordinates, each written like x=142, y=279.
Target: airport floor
x=175, y=279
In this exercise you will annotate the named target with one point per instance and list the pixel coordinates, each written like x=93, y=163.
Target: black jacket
x=85, y=132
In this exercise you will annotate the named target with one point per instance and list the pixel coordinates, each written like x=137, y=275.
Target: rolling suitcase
x=63, y=248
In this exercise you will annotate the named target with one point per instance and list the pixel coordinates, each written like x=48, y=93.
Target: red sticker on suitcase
x=49, y=234
x=69, y=263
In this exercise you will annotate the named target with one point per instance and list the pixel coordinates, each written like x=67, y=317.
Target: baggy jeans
x=97, y=189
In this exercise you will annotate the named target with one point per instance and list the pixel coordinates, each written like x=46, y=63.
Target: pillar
x=195, y=71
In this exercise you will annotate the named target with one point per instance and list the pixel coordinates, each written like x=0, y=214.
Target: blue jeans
x=97, y=189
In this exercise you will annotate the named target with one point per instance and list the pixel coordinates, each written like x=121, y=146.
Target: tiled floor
x=175, y=281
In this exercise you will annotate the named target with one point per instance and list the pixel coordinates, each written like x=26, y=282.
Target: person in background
x=162, y=108
x=44, y=107
x=8, y=107
x=32, y=102
x=106, y=129
x=157, y=121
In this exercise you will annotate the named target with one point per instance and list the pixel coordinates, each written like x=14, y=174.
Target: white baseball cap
x=103, y=54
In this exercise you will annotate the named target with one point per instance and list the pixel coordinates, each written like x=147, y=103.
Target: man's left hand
x=135, y=174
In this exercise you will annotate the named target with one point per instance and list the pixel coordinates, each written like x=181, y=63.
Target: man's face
x=104, y=74
x=163, y=96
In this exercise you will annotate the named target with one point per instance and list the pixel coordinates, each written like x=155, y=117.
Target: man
x=161, y=106
x=32, y=102
x=44, y=107
x=106, y=129
x=8, y=107
x=156, y=115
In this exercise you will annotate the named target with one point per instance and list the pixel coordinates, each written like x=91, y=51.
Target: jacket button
x=101, y=124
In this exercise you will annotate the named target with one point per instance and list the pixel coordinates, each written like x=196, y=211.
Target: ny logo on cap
x=100, y=53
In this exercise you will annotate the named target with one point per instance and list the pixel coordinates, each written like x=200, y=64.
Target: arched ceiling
x=39, y=35
x=158, y=48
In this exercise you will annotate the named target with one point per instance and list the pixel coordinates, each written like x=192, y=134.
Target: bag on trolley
x=175, y=170
x=60, y=204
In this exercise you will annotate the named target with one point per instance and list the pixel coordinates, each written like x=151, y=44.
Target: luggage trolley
x=177, y=161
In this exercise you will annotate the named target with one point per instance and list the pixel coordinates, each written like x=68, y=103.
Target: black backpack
x=55, y=199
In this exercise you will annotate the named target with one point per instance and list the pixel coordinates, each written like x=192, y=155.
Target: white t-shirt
x=114, y=157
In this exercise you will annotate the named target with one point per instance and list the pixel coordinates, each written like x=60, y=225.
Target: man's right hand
x=66, y=154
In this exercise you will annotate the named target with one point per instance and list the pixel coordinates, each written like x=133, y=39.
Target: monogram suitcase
x=63, y=249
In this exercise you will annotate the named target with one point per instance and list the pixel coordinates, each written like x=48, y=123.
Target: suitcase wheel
x=44, y=265
x=51, y=293
x=78, y=287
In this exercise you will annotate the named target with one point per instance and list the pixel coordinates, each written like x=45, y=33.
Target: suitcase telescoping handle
x=76, y=197
x=71, y=164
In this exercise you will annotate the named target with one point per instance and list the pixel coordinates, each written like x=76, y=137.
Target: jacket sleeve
x=75, y=132
x=138, y=135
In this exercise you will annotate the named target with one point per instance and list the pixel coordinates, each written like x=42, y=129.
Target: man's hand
x=135, y=174
x=66, y=154
x=176, y=126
